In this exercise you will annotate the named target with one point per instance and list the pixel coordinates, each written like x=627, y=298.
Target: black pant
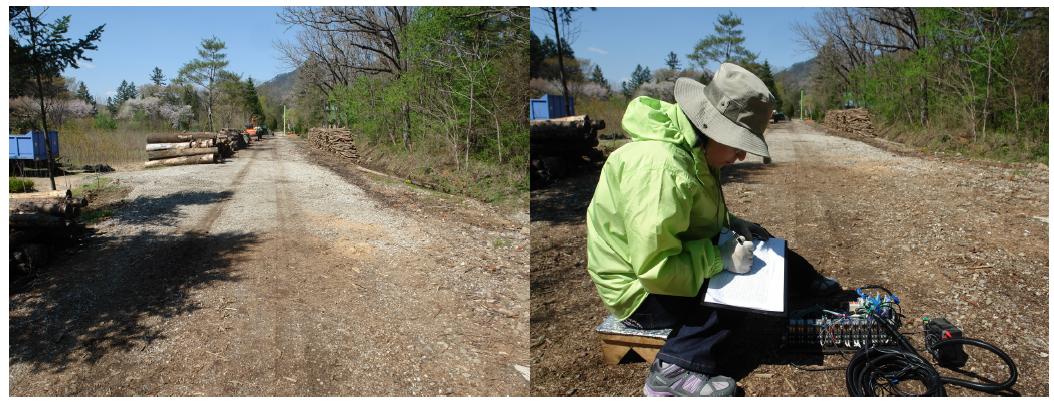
x=699, y=331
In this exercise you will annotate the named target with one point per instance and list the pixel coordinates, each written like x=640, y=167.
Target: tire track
x=205, y=224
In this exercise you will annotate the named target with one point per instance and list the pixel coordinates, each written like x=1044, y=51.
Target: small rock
x=524, y=371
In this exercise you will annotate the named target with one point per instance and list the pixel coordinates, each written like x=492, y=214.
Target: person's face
x=719, y=155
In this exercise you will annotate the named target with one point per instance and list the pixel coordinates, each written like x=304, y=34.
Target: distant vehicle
x=778, y=117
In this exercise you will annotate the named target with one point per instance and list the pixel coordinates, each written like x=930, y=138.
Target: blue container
x=551, y=107
x=30, y=146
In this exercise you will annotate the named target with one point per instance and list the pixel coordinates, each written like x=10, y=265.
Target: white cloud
x=86, y=64
x=597, y=50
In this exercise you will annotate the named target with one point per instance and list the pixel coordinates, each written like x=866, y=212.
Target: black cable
x=884, y=368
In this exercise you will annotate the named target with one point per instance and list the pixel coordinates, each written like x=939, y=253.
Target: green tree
x=126, y=91
x=640, y=76
x=157, y=77
x=672, y=62
x=598, y=77
x=84, y=95
x=252, y=102
x=206, y=71
x=537, y=56
x=46, y=52
x=764, y=71
x=724, y=45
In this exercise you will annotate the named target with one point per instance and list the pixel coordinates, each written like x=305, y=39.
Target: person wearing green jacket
x=656, y=214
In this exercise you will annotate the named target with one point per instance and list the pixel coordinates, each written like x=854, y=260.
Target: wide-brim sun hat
x=734, y=109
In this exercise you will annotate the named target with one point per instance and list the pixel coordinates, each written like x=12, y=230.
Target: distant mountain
x=797, y=75
x=279, y=89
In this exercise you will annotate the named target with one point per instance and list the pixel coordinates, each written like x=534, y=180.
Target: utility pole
x=801, y=106
x=284, y=127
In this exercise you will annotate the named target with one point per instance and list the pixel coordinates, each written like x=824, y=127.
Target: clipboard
x=762, y=290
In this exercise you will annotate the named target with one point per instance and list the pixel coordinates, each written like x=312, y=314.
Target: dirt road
x=281, y=272
x=964, y=240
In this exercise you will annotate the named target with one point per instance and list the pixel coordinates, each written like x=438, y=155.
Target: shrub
x=19, y=185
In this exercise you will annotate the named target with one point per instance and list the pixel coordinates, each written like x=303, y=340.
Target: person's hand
x=749, y=229
x=737, y=255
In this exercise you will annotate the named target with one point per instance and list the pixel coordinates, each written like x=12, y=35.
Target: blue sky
x=136, y=39
x=618, y=39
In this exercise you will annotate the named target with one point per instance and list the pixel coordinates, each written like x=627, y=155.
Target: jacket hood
x=650, y=119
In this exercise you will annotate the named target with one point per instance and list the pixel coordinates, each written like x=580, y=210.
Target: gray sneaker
x=668, y=379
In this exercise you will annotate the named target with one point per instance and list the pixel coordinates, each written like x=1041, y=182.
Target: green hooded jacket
x=656, y=207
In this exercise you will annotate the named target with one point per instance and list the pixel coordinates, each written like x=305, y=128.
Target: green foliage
x=969, y=85
x=157, y=77
x=84, y=95
x=639, y=76
x=597, y=76
x=39, y=50
x=206, y=71
x=104, y=121
x=764, y=72
x=672, y=62
x=19, y=185
x=724, y=45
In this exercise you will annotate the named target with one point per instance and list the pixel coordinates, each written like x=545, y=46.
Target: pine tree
x=598, y=77
x=764, y=71
x=206, y=71
x=252, y=101
x=157, y=77
x=84, y=95
x=44, y=51
x=725, y=45
x=640, y=76
x=672, y=62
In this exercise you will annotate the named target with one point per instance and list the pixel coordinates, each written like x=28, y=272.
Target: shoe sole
x=648, y=391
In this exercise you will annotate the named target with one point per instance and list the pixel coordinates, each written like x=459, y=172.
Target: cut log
x=170, y=153
x=183, y=160
x=170, y=145
x=36, y=221
x=572, y=128
x=42, y=194
x=60, y=208
x=178, y=137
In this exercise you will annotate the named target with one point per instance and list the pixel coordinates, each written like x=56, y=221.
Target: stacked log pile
x=39, y=224
x=172, y=149
x=336, y=140
x=850, y=121
x=560, y=146
x=231, y=140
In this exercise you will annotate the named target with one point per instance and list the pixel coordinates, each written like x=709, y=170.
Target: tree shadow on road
x=743, y=172
x=94, y=303
x=163, y=210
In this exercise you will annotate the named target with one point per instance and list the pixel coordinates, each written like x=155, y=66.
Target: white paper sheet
x=762, y=289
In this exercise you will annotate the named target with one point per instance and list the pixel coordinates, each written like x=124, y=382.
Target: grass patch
x=996, y=146
x=501, y=184
x=19, y=185
x=609, y=110
x=96, y=215
x=104, y=197
x=82, y=142
x=95, y=187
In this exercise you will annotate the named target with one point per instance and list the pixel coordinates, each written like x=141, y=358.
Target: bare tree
x=343, y=41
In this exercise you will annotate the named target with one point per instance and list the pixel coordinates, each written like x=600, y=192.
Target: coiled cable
x=885, y=368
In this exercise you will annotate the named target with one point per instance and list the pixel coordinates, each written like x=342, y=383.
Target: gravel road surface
x=281, y=272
